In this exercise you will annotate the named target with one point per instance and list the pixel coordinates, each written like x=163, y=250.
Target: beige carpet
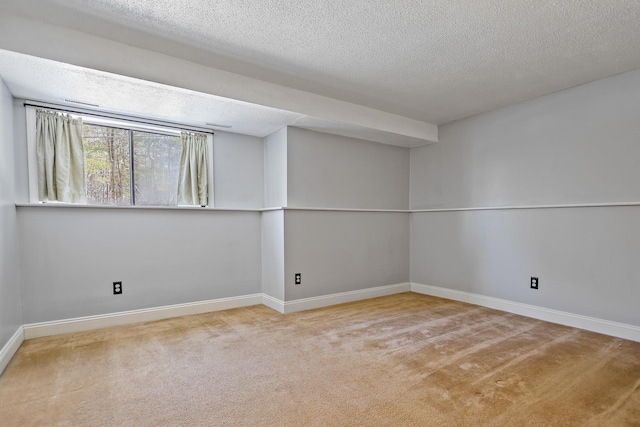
x=406, y=359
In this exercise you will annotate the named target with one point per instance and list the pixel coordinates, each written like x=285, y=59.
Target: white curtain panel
x=60, y=154
x=193, y=178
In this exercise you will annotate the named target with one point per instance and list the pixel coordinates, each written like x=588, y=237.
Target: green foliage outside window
x=109, y=172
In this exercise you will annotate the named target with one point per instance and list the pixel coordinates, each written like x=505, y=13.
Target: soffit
x=33, y=78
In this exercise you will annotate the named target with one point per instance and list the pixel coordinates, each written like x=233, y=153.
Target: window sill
x=177, y=208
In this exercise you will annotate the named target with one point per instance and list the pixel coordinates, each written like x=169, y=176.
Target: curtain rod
x=133, y=119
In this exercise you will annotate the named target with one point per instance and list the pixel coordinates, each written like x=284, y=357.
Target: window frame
x=134, y=124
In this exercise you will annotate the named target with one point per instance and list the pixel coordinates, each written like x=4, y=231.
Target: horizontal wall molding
x=620, y=330
x=560, y=206
x=343, y=297
x=79, y=324
x=345, y=210
x=200, y=209
x=286, y=208
x=10, y=348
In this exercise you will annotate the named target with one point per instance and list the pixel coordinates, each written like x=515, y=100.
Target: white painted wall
x=275, y=169
x=576, y=146
x=338, y=172
x=10, y=297
x=71, y=256
x=344, y=251
x=238, y=170
x=273, y=254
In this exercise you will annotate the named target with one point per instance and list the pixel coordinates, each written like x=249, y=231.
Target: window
x=126, y=164
x=152, y=178
x=157, y=163
x=107, y=165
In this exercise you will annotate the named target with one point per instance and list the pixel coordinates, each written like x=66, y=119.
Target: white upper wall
x=275, y=169
x=238, y=171
x=576, y=146
x=332, y=171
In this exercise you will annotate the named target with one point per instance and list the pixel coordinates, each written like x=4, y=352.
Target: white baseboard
x=79, y=324
x=10, y=348
x=620, y=330
x=342, y=297
x=273, y=303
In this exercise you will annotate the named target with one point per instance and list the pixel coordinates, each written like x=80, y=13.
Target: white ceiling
x=430, y=60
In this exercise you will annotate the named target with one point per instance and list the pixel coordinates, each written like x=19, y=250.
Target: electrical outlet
x=117, y=288
x=298, y=279
x=534, y=283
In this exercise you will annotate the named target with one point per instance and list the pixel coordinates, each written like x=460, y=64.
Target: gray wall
x=339, y=172
x=576, y=146
x=340, y=251
x=10, y=298
x=344, y=251
x=273, y=254
x=586, y=258
x=238, y=171
x=275, y=169
x=71, y=256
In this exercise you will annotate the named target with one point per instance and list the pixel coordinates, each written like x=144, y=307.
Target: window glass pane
x=156, y=164
x=107, y=165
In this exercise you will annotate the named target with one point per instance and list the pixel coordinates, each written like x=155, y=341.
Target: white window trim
x=32, y=160
x=123, y=124
x=32, y=156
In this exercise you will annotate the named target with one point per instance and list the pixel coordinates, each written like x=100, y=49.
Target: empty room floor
x=405, y=359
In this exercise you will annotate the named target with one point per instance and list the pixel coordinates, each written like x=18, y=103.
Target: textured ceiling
x=432, y=60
